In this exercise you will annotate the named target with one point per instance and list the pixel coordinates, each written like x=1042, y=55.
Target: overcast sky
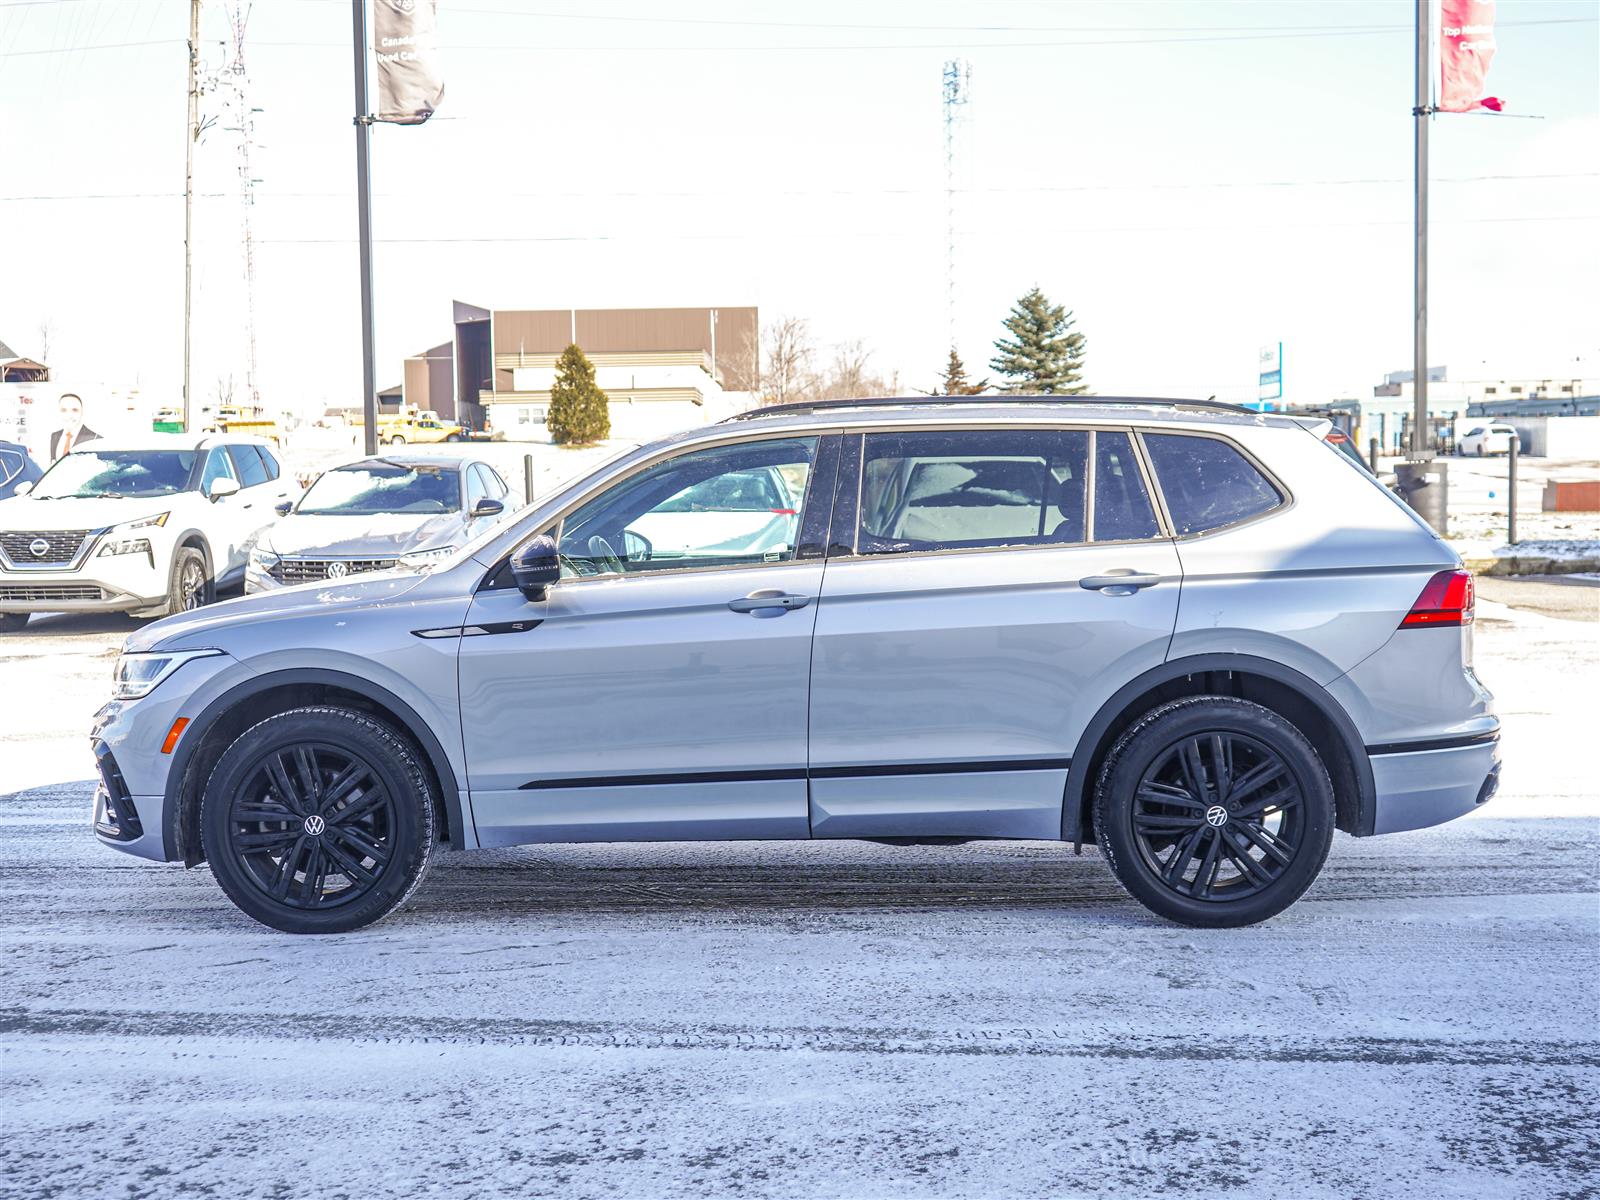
x=1193, y=179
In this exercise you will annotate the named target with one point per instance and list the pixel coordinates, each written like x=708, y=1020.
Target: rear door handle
x=768, y=602
x=1119, y=583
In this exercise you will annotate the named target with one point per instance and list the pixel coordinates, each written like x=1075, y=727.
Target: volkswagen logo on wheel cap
x=338, y=570
x=40, y=547
x=315, y=825
x=1216, y=816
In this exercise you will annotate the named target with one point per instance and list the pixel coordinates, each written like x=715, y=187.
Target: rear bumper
x=1429, y=786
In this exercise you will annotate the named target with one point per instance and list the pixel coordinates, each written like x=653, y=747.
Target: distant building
x=16, y=369
x=663, y=368
x=1387, y=416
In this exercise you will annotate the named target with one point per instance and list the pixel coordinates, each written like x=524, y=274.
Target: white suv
x=149, y=526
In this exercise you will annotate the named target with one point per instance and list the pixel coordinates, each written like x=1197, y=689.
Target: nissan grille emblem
x=40, y=547
x=337, y=570
x=315, y=825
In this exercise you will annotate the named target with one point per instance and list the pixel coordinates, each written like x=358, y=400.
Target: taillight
x=1445, y=600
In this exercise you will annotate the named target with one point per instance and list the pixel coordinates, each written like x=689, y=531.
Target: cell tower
x=238, y=19
x=957, y=94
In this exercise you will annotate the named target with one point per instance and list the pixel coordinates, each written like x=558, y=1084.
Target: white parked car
x=151, y=526
x=1487, y=439
x=407, y=510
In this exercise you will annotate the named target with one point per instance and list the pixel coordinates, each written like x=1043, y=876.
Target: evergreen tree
x=953, y=379
x=580, y=413
x=1044, y=355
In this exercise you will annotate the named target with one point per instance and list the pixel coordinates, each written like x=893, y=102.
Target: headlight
x=131, y=545
x=137, y=675
x=427, y=558
x=263, y=558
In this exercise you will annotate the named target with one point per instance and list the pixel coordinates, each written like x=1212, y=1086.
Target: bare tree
x=44, y=341
x=225, y=391
x=790, y=352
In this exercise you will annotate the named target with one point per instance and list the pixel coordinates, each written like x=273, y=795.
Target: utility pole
x=1421, y=114
x=188, y=199
x=956, y=93
x=363, y=121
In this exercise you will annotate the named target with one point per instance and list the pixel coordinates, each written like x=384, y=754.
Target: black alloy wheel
x=1214, y=811
x=318, y=820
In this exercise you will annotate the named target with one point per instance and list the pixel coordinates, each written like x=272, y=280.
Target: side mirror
x=486, y=507
x=536, y=567
x=23, y=488
x=283, y=507
x=222, y=487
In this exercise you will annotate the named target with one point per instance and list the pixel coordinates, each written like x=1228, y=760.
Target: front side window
x=379, y=486
x=719, y=507
x=936, y=490
x=1207, y=483
x=217, y=467
x=1122, y=509
x=89, y=472
x=248, y=465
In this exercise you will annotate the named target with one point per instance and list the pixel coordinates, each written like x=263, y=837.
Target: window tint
x=1122, y=510
x=247, y=465
x=973, y=487
x=269, y=462
x=719, y=507
x=1206, y=482
x=497, y=486
x=217, y=467
x=10, y=465
x=477, y=489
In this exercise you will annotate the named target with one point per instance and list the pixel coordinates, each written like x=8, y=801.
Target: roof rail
x=809, y=406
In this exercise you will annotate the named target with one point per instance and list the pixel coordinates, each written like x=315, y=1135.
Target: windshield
x=86, y=473
x=383, y=487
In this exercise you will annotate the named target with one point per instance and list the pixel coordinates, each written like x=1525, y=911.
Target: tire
x=1480, y=449
x=188, y=586
x=325, y=859
x=13, y=622
x=397, y=440
x=1161, y=797
x=452, y=437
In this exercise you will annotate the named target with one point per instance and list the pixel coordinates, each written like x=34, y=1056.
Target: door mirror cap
x=283, y=507
x=485, y=507
x=536, y=567
x=222, y=487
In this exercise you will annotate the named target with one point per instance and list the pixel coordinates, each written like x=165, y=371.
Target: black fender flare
x=1078, y=782
x=197, y=535
x=411, y=723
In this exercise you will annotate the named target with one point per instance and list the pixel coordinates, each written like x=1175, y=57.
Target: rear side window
x=247, y=463
x=1122, y=509
x=1207, y=483
x=973, y=487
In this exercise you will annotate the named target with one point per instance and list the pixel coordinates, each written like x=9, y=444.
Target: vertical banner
x=1270, y=360
x=405, y=35
x=1466, y=48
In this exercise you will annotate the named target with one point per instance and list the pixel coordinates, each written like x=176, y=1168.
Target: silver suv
x=1197, y=636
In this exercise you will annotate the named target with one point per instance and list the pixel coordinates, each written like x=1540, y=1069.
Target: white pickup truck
x=150, y=526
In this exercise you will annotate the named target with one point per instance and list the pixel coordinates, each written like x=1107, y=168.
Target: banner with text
x=1466, y=48
x=406, y=41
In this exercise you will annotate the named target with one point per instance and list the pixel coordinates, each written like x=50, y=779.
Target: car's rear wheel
x=318, y=820
x=1214, y=811
x=188, y=587
x=13, y=622
x=452, y=437
x=397, y=440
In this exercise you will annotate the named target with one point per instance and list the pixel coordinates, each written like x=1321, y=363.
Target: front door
x=985, y=594
x=659, y=691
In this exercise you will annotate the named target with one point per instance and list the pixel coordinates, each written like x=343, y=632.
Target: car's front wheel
x=318, y=820
x=1214, y=811
x=188, y=587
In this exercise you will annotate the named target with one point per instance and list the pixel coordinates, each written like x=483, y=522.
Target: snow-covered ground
x=829, y=1019
x=1479, y=502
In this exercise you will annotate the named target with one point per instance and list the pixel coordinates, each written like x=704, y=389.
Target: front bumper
x=1419, y=788
x=109, y=583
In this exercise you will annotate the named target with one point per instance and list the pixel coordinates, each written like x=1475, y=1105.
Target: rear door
x=987, y=590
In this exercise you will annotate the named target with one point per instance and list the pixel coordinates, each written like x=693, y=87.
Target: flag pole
x=1421, y=113
x=363, y=123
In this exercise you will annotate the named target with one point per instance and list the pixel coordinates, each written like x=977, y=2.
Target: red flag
x=1466, y=47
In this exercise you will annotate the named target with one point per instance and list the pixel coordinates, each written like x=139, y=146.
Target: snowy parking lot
x=825, y=1019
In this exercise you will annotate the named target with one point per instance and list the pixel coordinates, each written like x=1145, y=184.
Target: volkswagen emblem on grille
x=315, y=825
x=1216, y=816
x=338, y=570
x=40, y=547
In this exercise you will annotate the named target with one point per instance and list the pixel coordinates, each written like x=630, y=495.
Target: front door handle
x=1119, y=583
x=768, y=602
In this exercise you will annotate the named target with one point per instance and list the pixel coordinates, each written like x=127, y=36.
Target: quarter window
x=719, y=507
x=972, y=488
x=1207, y=483
x=1122, y=509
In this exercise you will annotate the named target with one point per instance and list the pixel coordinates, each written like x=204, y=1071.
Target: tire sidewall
x=398, y=769
x=182, y=555
x=1150, y=737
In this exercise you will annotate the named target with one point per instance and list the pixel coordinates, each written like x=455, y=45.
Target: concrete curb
x=1532, y=564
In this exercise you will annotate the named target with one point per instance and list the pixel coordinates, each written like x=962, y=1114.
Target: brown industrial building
x=504, y=358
